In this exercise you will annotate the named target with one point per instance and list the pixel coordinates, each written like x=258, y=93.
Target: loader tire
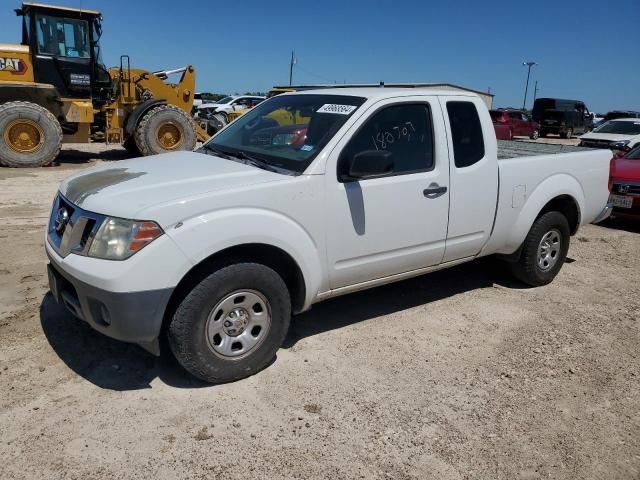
x=30, y=136
x=131, y=147
x=164, y=129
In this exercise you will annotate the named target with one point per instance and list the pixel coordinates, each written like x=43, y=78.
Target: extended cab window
x=466, y=133
x=403, y=130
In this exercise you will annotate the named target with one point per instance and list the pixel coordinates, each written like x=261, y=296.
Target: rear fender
x=45, y=95
x=550, y=188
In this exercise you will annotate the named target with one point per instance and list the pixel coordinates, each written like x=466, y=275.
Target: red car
x=625, y=194
x=518, y=124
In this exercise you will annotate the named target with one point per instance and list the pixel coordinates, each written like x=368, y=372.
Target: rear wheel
x=232, y=323
x=163, y=129
x=534, y=135
x=30, y=136
x=544, y=250
x=567, y=134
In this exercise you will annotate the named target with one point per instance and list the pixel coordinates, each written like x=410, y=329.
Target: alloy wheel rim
x=170, y=136
x=238, y=324
x=24, y=136
x=549, y=250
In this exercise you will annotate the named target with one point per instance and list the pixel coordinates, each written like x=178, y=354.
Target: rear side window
x=466, y=133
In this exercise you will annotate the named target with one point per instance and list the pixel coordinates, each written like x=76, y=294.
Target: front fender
x=204, y=235
x=550, y=188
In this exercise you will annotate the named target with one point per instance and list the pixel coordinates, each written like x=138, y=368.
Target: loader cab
x=65, y=50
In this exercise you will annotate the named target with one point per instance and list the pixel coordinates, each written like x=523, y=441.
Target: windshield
x=63, y=37
x=495, y=114
x=225, y=100
x=634, y=154
x=620, y=128
x=287, y=131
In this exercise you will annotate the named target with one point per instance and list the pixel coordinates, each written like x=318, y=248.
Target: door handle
x=434, y=191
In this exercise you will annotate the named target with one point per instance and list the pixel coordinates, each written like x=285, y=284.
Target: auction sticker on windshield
x=339, y=109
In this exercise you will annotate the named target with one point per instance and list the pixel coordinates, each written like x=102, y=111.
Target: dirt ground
x=461, y=374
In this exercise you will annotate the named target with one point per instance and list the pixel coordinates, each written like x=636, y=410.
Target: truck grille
x=627, y=188
x=71, y=228
x=596, y=143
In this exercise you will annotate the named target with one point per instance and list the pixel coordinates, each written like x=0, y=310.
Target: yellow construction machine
x=54, y=89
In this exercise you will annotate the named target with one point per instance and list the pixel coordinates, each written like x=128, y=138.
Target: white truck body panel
x=342, y=236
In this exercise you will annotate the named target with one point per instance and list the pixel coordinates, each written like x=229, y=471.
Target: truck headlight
x=622, y=145
x=118, y=239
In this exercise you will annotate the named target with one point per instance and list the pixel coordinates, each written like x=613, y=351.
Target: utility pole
x=526, y=88
x=535, y=92
x=293, y=62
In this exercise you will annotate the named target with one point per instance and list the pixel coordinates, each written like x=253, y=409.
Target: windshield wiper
x=258, y=163
x=243, y=157
x=219, y=153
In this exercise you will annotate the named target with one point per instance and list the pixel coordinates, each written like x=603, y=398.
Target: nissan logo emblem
x=62, y=218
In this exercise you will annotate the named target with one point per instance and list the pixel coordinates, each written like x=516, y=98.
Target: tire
x=131, y=147
x=543, y=133
x=567, y=134
x=534, y=135
x=180, y=131
x=207, y=310
x=531, y=268
x=30, y=136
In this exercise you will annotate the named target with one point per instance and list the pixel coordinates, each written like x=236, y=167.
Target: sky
x=587, y=50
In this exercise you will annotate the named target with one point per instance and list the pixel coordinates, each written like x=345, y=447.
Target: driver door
x=395, y=223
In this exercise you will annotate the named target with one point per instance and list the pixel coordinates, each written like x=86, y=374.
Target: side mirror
x=366, y=164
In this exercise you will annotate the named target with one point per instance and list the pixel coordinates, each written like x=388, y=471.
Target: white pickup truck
x=308, y=196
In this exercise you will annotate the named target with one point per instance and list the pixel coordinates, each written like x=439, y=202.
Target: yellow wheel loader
x=54, y=88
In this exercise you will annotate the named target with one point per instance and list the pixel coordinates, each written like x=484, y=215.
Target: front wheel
x=232, y=323
x=544, y=250
x=165, y=128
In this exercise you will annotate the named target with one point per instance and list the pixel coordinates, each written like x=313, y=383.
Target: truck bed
x=512, y=149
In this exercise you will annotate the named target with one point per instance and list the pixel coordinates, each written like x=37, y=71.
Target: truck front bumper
x=134, y=316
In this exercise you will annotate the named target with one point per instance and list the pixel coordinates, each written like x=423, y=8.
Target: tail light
x=612, y=171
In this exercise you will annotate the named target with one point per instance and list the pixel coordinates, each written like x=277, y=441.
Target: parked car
x=625, y=195
x=216, y=248
x=562, y=117
x=598, y=118
x=620, y=134
x=225, y=106
x=197, y=99
x=615, y=114
x=519, y=123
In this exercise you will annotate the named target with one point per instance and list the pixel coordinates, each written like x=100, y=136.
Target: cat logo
x=13, y=65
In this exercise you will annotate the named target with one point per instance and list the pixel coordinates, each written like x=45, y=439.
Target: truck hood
x=614, y=137
x=125, y=188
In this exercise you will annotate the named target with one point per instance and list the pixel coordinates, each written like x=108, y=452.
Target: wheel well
x=566, y=205
x=268, y=255
x=135, y=116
